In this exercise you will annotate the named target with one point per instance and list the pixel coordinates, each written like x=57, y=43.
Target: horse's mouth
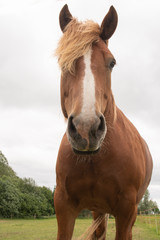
x=85, y=152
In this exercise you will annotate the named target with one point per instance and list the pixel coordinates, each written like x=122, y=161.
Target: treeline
x=21, y=197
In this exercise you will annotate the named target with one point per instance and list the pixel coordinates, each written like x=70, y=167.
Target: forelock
x=77, y=39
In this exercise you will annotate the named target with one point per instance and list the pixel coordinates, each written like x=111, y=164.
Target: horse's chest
x=79, y=182
x=88, y=186
x=81, y=185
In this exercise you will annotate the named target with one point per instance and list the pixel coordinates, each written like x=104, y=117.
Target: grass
x=150, y=222
x=46, y=229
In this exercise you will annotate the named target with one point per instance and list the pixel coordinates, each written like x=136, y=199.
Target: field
x=46, y=229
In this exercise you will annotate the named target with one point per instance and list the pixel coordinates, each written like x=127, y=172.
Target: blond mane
x=75, y=42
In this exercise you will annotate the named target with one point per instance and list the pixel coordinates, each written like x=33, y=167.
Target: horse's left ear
x=64, y=17
x=109, y=24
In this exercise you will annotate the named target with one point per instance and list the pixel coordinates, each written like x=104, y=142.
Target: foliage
x=5, y=169
x=21, y=197
x=147, y=206
x=9, y=197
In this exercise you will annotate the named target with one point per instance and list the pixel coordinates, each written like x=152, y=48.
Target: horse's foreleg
x=132, y=223
x=124, y=223
x=65, y=217
x=100, y=232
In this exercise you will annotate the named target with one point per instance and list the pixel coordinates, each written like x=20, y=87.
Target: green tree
x=5, y=169
x=146, y=205
x=33, y=203
x=36, y=201
x=10, y=198
x=49, y=196
x=22, y=197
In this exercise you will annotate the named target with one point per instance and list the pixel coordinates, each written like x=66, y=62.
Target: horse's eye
x=112, y=63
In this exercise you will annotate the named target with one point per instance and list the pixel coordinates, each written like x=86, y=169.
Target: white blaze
x=88, y=95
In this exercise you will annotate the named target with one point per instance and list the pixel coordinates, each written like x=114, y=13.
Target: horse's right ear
x=64, y=17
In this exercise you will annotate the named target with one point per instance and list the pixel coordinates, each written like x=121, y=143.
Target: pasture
x=46, y=229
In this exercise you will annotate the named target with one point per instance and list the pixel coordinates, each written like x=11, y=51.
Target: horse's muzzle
x=86, y=137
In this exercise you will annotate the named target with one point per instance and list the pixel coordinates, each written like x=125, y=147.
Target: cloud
x=136, y=48
x=30, y=141
x=29, y=74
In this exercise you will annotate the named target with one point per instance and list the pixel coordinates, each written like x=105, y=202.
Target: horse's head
x=86, y=64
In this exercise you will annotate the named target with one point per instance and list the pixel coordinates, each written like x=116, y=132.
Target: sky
x=31, y=122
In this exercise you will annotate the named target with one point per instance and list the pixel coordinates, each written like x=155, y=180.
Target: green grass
x=150, y=223
x=46, y=229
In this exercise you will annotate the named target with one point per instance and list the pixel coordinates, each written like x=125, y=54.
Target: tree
x=146, y=205
x=22, y=197
x=3, y=159
x=49, y=196
x=36, y=201
x=9, y=198
x=5, y=169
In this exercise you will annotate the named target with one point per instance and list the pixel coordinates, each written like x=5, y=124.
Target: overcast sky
x=31, y=122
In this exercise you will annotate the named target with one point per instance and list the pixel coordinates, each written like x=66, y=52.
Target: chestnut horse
x=103, y=164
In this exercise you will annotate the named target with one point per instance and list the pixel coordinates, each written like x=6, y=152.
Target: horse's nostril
x=76, y=140
x=101, y=126
x=71, y=126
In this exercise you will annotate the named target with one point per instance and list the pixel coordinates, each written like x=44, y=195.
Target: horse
x=103, y=163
